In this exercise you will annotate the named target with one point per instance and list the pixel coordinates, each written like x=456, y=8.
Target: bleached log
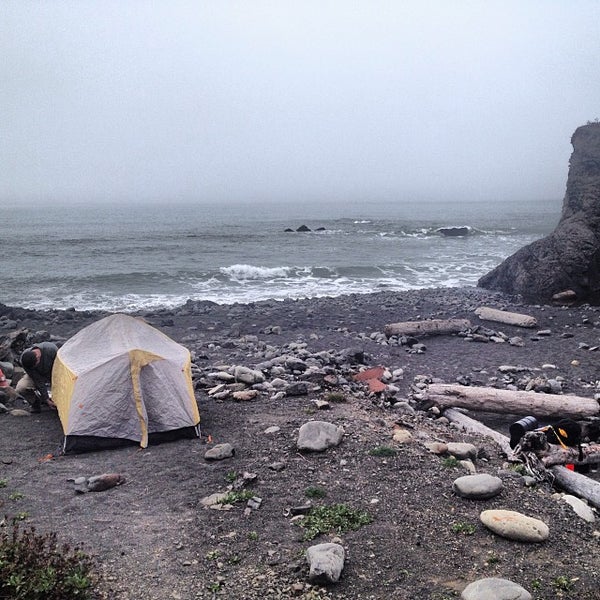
x=475, y=426
x=430, y=327
x=590, y=454
x=577, y=484
x=485, y=399
x=509, y=318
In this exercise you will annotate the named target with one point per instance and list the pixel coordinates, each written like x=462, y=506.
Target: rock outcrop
x=568, y=258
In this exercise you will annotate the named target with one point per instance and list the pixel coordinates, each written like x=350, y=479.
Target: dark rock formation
x=454, y=231
x=568, y=258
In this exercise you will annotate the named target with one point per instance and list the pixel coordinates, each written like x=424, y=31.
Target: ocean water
x=127, y=256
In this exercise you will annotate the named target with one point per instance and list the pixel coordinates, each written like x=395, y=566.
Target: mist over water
x=125, y=257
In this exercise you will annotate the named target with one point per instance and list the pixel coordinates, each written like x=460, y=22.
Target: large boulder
x=569, y=258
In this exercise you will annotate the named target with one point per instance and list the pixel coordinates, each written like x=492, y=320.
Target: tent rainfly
x=120, y=381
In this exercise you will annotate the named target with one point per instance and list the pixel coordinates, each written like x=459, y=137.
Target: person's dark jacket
x=42, y=372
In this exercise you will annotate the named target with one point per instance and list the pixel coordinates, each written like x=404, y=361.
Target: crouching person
x=33, y=386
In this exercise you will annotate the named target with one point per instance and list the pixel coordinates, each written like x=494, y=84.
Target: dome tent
x=120, y=381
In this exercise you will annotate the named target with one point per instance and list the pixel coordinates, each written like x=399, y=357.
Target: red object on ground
x=376, y=386
x=374, y=373
x=570, y=467
x=3, y=382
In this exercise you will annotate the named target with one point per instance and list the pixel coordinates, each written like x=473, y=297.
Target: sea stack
x=566, y=263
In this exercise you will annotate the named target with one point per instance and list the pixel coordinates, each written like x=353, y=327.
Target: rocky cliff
x=567, y=260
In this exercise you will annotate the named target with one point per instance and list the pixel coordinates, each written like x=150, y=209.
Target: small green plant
x=382, y=451
x=20, y=516
x=212, y=555
x=3, y=483
x=536, y=584
x=563, y=583
x=215, y=586
x=234, y=559
x=231, y=476
x=492, y=559
x=519, y=468
x=451, y=462
x=253, y=536
x=337, y=518
x=34, y=566
x=315, y=491
x=464, y=528
x=335, y=397
x=236, y=496
x=17, y=496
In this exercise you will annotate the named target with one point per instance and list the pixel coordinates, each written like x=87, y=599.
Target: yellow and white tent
x=120, y=380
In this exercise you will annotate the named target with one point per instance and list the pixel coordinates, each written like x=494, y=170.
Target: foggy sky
x=202, y=101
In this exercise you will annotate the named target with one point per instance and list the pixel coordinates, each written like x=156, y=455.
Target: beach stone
x=295, y=364
x=478, y=487
x=100, y=483
x=326, y=562
x=515, y=526
x=436, y=447
x=213, y=499
x=247, y=375
x=220, y=452
x=461, y=450
x=218, y=389
x=19, y=412
x=245, y=395
x=494, y=588
x=278, y=383
x=222, y=376
x=580, y=507
x=236, y=387
x=321, y=404
x=272, y=429
x=402, y=436
x=404, y=408
x=468, y=465
x=317, y=436
x=298, y=388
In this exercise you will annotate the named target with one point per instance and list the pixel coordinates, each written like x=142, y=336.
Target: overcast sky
x=330, y=100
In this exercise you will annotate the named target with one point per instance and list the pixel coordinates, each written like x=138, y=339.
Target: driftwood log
x=475, y=426
x=572, y=482
x=589, y=454
x=431, y=327
x=509, y=318
x=577, y=484
x=486, y=399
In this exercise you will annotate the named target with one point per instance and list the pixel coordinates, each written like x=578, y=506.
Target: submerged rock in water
x=454, y=231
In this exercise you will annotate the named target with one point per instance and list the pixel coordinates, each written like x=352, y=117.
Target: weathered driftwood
x=577, y=484
x=590, y=454
x=494, y=400
x=431, y=327
x=509, y=318
x=475, y=426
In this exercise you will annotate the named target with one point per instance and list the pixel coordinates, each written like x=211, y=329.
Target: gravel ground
x=153, y=539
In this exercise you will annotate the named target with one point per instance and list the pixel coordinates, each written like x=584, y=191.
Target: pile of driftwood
x=453, y=399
